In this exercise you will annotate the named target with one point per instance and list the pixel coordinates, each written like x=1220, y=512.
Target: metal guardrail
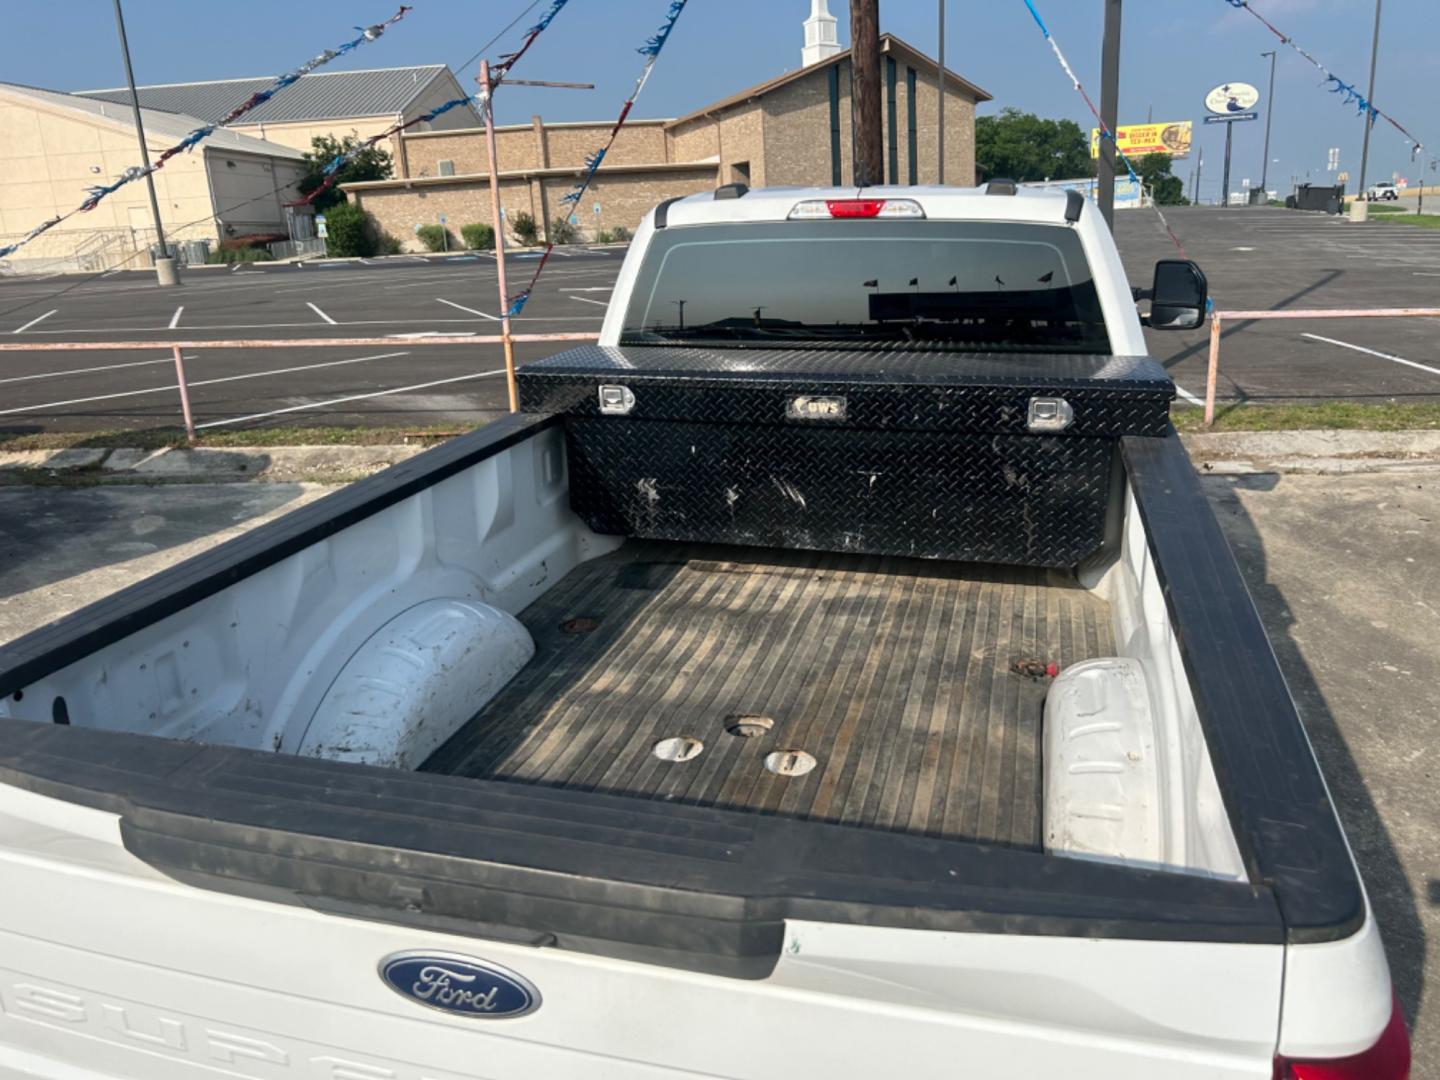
x=292, y=343
x=1218, y=318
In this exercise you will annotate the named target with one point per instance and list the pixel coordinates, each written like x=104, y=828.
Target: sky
x=1173, y=52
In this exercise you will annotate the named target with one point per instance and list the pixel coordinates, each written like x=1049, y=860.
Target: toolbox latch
x=616, y=400
x=1049, y=414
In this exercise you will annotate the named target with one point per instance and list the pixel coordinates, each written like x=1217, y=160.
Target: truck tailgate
x=110, y=969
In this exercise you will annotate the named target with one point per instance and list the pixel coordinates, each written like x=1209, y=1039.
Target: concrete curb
x=1326, y=452
x=1322, y=452
x=274, y=464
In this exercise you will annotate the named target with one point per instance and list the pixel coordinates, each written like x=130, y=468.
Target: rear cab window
x=943, y=285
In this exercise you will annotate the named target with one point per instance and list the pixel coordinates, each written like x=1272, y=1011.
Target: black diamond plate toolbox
x=901, y=453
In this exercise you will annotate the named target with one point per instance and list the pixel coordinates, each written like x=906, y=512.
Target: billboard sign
x=1137, y=140
x=1232, y=97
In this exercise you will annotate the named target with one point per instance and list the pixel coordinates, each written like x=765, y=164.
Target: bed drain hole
x=789, y=762
x=746, y=726
x=581, y=624
x=679, y=748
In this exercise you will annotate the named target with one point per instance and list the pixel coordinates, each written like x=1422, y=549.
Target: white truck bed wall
x=390, y=606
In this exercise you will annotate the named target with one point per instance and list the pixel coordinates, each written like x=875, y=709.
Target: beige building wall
x=624, y=195
x=250, y=190
x=797, y=130
x=734, y=137
x=520, y=146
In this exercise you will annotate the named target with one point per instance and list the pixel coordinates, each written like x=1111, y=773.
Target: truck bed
x=894, y=674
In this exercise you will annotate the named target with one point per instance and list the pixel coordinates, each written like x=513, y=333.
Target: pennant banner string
x=651, y=51
x=332, y=168
x=1105, y=132
x=194, y=138
x=1349, y=94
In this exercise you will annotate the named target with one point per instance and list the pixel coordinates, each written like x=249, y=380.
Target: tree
x=1154, y=173
x=349, y=231
x=1021, y=146
x=371, y=163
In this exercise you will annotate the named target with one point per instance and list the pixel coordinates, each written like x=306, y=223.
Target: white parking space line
x=311, y=326
x=471, y=310
x=352, y=397
x=1191, y=398
x=587, y=300
x=200, y=382
x=1373, y=352
x=88, y=370
x=32, y=322
x=322, y=314
x=175, y=319
x=589, y=288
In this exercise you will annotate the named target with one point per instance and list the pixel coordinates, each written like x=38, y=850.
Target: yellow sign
x=1137, y=140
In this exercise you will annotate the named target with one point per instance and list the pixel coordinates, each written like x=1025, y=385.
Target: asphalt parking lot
x=1256, y=258
x=1260, y=258
x=394, y=383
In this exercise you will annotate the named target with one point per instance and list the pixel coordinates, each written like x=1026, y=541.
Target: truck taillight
x=856, y=208
x=1388, y=1059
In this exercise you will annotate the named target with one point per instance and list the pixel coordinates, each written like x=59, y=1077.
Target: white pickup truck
x=836, y=672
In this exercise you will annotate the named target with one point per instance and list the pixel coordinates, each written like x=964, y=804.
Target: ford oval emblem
x=460, y=985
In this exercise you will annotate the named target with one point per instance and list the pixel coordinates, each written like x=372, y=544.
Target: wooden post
x=1109, y=112
x=506, y=343
x=184, y=393
x=1213, y=373
x=940, y=105
x=865, y=92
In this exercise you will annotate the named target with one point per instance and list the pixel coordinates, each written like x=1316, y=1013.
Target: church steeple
x=821, y=40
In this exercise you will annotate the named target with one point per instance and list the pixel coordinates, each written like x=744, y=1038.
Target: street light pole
x=1269, y=111
x=940, y=114
x=165, y=272
x=1109, y=111
x=1370, y=101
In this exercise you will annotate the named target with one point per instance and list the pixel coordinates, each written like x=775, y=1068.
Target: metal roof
x=335, y=95
x=163, y=128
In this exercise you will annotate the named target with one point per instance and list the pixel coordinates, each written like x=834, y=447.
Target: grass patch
x=1408, y=217
x=1330, y=414
x=160, y=438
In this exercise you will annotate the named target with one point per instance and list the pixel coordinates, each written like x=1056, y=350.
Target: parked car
x=837, y=672
x=1383, y=191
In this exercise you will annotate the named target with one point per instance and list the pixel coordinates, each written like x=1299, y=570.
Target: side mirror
x=1177, y=301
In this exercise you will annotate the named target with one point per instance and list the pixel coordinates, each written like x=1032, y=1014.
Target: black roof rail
x=731, y=191
x=662, y=212
x=1001, y=187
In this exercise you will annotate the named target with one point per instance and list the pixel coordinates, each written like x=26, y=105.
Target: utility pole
x=1370, y=99
x=865, y=92
x=940, y=115
x=1269, y=111
x=165, y=270
x=1199, y=167
x=1109, y=111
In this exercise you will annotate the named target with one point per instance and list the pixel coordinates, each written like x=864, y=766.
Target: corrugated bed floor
x=894, y=675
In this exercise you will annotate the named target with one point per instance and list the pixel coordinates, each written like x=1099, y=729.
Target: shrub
x=349, y=231
x=620, y=234
x=239, y=255
x=525, y=229
x=435, y=237
x=604, y=236
x=387, y=245
x=562, y=232
x=478, y=237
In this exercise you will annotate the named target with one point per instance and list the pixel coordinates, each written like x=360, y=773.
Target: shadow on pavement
x=1386, y=880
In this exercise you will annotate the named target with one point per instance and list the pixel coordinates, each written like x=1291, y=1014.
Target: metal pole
x=506, y=342
x=940, y=63
x=1109, y=110
x=1199, y=168
x=1370, y=97
x=1225, y=184
x=1211, y=375
x=865, y=94
x=140, y=134
x=1269, y=110
x=184, y=393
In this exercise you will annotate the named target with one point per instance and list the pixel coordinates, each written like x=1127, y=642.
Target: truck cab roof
x=996, y=201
